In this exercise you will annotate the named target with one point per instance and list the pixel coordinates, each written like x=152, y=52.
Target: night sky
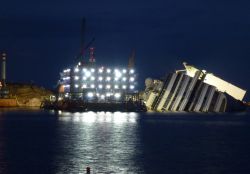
x=42, y=38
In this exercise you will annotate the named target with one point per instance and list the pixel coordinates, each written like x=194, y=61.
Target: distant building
x=192, y=90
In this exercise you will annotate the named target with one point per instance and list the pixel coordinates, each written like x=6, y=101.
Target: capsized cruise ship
x=193, y=90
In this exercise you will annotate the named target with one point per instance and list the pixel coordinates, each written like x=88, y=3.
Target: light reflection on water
x=104, y=141
x=99, y=117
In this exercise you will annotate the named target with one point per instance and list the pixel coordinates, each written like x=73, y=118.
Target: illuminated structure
x=101, y=84
x=192, y=90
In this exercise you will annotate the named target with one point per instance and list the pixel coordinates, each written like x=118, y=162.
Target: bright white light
x=79, y=63
x=108, y=70
x=66, y=70
x=66, y=95
x=108, y=86
x=124, y=79
x=116, y=87
x=100, y=78
x=90, y=94
x=117, y=95
x=131, y=79
x=84, y=69
x=84, y=86
x=76, y=85
x=102, y=97
x=108, y=78
x=132, y=71
x=76, y=69
x=84, y=78
x=97, y=94
x=124, y=71
x=118, y=74
x=100, y=70
x=124, y=86
x=92, y=78
x=92, y=70
x=116, y=78
x=132, y=87
x=76, y=77
x=66, y=86
x=92, y=86
x=108, y=94
x=87, y=74
x=66, y=78
x=100, y=86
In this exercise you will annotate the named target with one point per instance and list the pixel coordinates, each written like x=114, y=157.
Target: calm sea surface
x=41, y=142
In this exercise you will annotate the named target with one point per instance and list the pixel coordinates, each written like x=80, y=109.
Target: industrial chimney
x=3, y=75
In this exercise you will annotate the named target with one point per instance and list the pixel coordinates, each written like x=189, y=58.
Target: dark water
x=41, y=142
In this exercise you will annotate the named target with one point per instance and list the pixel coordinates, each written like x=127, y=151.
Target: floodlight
x=102, y=97
x=90, y=94
x=108, y=78
x=92, y=78
x=108, y=86
x=132, y=87
x=76, y=85
x=116, y=87
x=131, y=71
x=100, y=70
x=92, y=86
x=76, y=69
x=87, y=74
x=76, y=77
x=124, y=79
x=117, y=95
x=131, y=79
x=124, y=86
x=108, y=70
x=100, y=78
x=100, y=86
